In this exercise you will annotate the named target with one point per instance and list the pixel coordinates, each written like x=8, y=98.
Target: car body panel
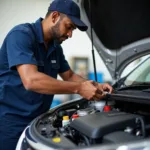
x=116, y=58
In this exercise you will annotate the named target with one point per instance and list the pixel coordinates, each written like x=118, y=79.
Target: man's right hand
x=89, y=91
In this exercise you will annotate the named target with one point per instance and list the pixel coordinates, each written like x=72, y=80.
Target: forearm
x=45, y=84
x=76, y=78
x=41, y=83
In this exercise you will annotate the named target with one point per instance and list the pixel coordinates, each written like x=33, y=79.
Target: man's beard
x=55, y=32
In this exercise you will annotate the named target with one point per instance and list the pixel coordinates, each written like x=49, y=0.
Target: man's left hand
x=103, y=88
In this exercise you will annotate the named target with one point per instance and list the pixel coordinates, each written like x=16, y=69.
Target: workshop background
x=77, y=49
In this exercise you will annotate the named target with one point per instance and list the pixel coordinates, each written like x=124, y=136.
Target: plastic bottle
x=65, y=121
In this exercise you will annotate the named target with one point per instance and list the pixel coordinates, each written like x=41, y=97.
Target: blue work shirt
x=24, y=44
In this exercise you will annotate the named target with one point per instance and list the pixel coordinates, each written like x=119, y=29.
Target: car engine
x=95, y=122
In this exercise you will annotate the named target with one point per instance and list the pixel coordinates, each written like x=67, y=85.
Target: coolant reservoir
x=84, y=112
x=98, y=105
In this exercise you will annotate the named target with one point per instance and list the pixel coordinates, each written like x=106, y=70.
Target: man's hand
x=92, y=91
x=88, y=90
x=102, y=88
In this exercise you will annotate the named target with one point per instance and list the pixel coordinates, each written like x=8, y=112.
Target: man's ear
x=55, y=17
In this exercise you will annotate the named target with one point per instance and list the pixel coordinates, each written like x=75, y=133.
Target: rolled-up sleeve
x=20, y=49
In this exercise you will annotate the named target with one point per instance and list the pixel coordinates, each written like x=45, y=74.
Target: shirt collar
x=39, y=30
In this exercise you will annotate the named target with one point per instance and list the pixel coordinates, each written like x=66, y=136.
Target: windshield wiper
x=146, y=90
x=141, y=83
x=136, y=86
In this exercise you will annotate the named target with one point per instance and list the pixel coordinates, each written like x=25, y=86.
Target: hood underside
x=121, y=30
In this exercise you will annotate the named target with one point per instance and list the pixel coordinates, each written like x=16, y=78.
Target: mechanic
x=30, y=60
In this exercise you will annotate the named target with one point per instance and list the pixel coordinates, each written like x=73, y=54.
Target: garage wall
x=13, y=12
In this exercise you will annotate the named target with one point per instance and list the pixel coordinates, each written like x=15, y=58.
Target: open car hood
x=121, y=30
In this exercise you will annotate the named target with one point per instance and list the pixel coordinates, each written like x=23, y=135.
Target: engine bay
x=90, y=123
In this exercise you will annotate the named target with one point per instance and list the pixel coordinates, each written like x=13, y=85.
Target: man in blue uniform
x=30, y=60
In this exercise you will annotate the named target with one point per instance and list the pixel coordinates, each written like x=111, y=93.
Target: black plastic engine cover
x=120, y=137
x=99, y=124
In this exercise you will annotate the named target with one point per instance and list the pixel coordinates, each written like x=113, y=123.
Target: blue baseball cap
x=71, y=9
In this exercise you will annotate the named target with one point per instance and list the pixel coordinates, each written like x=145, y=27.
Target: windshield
x=141, y=75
